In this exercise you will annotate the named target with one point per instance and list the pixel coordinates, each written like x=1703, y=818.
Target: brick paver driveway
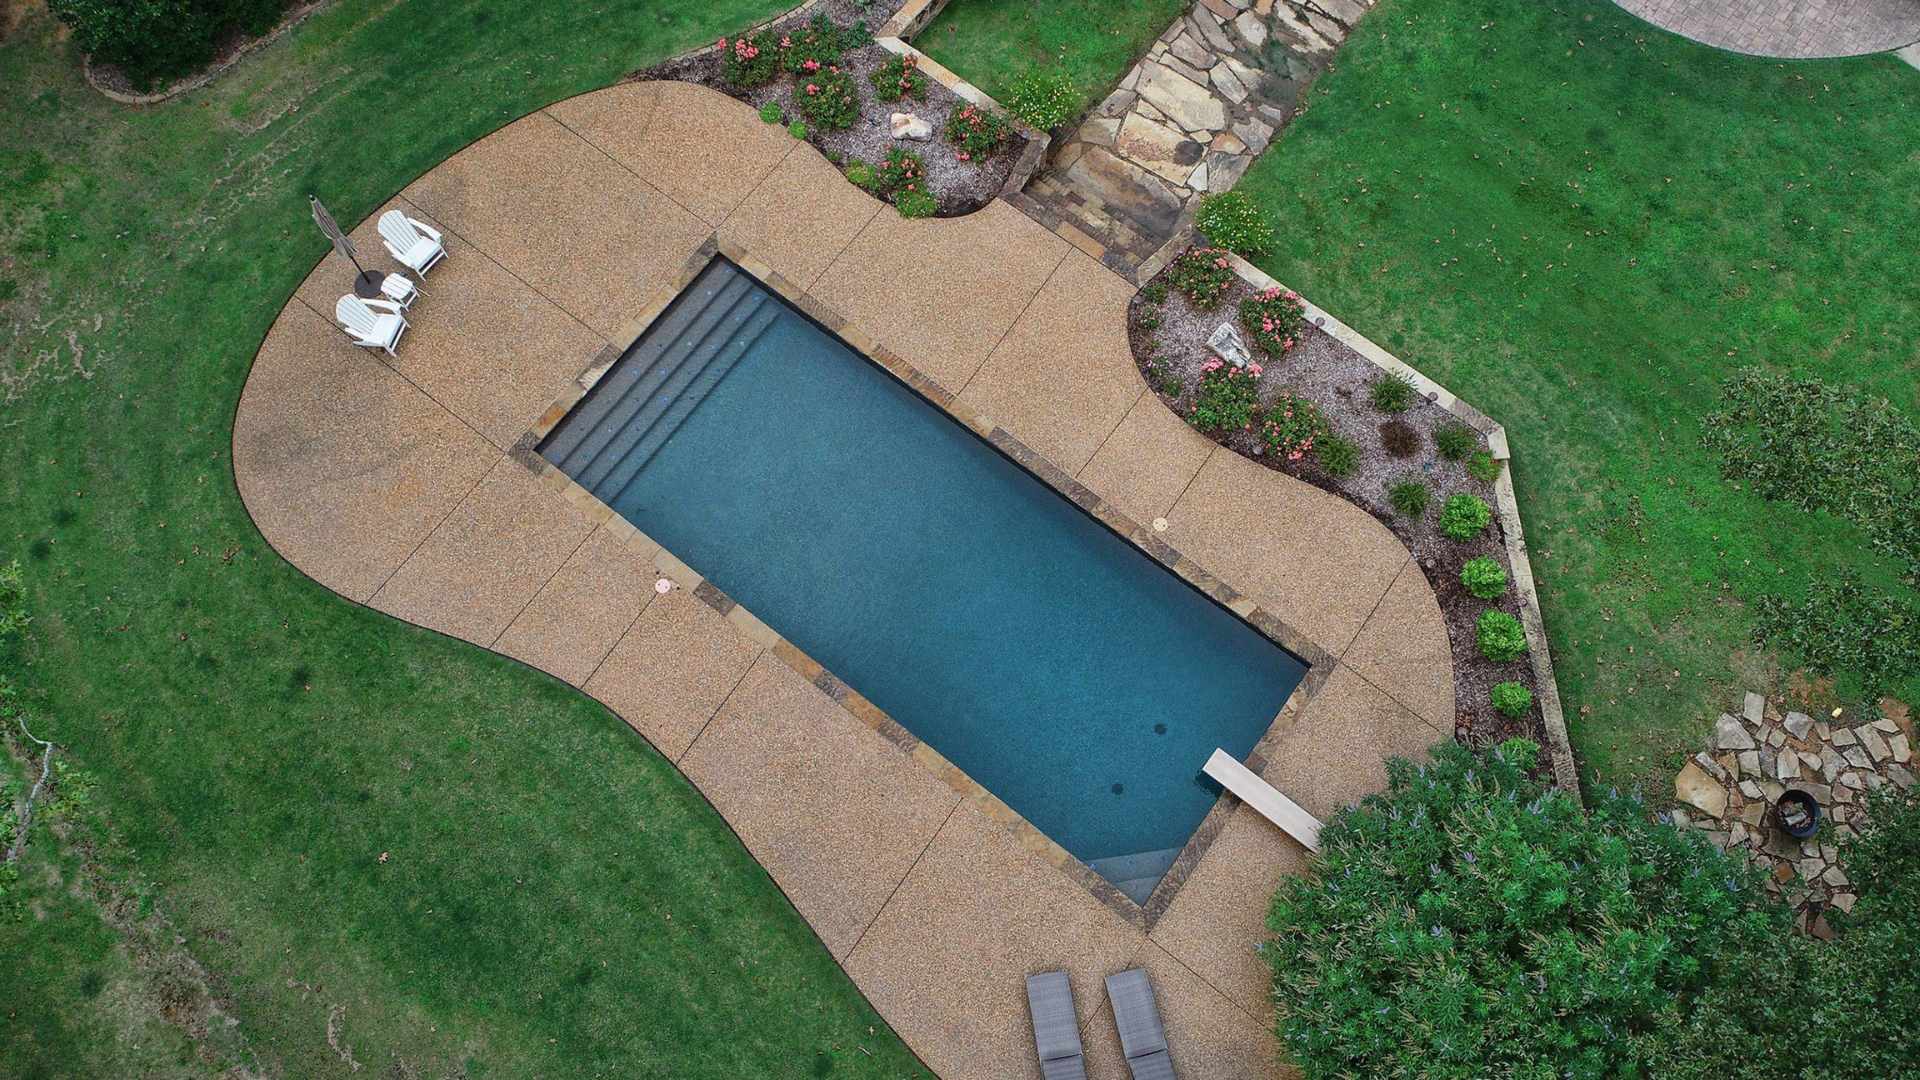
x=1795, y=29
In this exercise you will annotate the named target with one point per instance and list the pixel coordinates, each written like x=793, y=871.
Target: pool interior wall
x=1057, y=665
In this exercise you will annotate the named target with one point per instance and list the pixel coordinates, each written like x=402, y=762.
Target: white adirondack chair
x=376, y=324
x=416, y=246
x=400, y=290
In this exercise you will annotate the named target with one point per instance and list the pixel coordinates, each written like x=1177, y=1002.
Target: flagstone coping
x=387, y=481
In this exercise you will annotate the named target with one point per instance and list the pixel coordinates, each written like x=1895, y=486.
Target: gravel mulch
x=1335, y=378
x=960, y=187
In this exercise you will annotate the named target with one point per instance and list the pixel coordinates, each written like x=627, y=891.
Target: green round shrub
x=797, y=129
x=1471, y=922
x=1484, y=577
x=1409, y=498
x=1391, y=393
x=1232, y=220
x=1502, y=638
x=1483, y=467
x=1339, y=456
x=1464, y=517
x=1512, y=699
x=827, y=99
x=1455, y=440
x=1044, y=98
x=771, y=113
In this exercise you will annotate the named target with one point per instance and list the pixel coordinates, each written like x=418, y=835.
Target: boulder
x=1228, y=345
x=908, y=126
x=1695, y=788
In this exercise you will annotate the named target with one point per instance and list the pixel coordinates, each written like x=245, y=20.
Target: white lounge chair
x=400, y=290
x=376, y=324
x=415, y=245
x=1263, y=797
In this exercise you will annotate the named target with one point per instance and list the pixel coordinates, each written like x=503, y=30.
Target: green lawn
x=556, y=899
x=991, y=43
x=1581, y=224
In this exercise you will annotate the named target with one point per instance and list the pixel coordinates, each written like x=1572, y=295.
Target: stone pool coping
x=405, y=484
x=1319, y=662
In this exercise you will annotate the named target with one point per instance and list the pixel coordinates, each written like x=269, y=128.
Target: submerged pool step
x=627, y=389
x=1136, y=874
x=688, y=398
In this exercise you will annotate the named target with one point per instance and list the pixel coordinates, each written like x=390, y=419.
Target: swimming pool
x=1064, y=670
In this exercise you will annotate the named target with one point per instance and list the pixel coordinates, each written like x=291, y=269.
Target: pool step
x=1136, y=874
x=586, y=435
x=686, y=398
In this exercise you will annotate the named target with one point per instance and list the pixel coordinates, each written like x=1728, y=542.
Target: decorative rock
x=1730, y=734
x=1254, y=133
x=1874, y=744
x=1713, y=767
x=1186, y=102
x=1697, y=789
x=1191, y=51
x=1198, y=76
x=1754, y=812
x=1755, y=708
x=1798, y=724
x=1886, y=726
x=1249, y=76
x=1229, y=85
x=1199, y=180
x=1680, y=819
x=1227, y=343
x=1252, y=29
x=908, y=126
x=1157, y=147
x=1853, y=779
x=1830, y=764
x=1771, y=790
x=1739, y=833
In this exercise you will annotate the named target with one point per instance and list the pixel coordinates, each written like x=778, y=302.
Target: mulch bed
x=959, y=187
x=1335, y=378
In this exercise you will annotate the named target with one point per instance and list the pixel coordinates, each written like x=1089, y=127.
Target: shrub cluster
x=1511, y=699
x=1227, y=399
x=1399, y=439
x=1455, y=440
x=897, y=78
x=1274, y=318
x=1483, y=467
x=1822, y=447
x=1484, y=577
x=1470, y=922
x=1291, y=426
x=1044, y=98
x=1409, y=498
x=153, y=41
x=818, y=45
x=1502, y=638
x=1464, y=516
x=1339, y=456
x=1391, y=393
x=750, y=60
x=975, y=131
x=1203, y=274
x=827, y=99
x=1234, y=221
x=902, y=177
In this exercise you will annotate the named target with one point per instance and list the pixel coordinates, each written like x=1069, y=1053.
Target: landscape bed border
x=1320, y=663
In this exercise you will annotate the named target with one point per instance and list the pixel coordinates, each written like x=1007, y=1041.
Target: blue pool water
x=1060, y=667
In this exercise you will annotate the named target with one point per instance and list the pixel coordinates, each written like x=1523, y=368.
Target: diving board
x=1262, y=796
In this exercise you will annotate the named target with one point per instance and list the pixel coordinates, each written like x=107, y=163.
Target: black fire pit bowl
x=1797, y=813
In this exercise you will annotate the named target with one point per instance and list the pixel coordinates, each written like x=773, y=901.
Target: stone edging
x=1320, y=663
x=1553, y=718
x=206, y=75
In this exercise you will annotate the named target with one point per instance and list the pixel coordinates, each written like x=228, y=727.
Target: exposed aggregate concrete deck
x=408, y=485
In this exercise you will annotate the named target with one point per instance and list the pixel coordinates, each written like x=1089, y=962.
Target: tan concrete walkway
x=407, y=485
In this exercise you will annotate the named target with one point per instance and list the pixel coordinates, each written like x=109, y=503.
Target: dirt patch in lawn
x=1172, y=353
x=959, y=186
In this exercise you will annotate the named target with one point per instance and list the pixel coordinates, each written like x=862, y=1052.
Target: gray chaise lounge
x=1142, y=1037
x=1056, y=1027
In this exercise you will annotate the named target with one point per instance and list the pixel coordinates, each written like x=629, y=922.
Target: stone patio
x=404, y=485
x=1791, y=29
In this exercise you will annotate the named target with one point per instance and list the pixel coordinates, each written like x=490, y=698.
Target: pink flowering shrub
x=903, y=178
x=898, y=78
x=749, y=61
x=827, y=99
x=1203, y=274
x=813, y=47
x=1274, y=318
x=1227, y=399
x=975, y=131
x=1291, y=426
